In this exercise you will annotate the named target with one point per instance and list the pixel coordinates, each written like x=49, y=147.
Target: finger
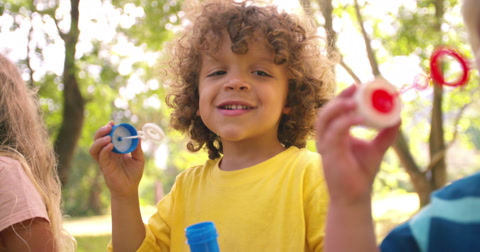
x=104, y=130
x=340, y=127
x=386, y=137
x=337, y=134
x=105, y=153
x=345, y=96
x=138, y=154
x=348, y=92
x=98, y=145
x=332, y=110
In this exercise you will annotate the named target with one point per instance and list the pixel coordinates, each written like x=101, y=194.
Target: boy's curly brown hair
x=311, y=74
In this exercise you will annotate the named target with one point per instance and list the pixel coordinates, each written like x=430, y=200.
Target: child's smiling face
x=242, y=96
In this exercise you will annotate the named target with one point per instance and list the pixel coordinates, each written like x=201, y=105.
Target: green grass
x=93, y=233
x=92, y=243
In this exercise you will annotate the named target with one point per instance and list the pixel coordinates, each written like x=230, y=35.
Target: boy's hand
x=122, y=172
x=349, y=164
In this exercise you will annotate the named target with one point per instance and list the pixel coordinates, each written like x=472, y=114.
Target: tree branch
x=51, y=13
x=350, y=71
x=28, y=61
x=370, y=53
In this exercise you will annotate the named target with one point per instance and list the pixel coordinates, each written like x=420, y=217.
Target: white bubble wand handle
x=149, y=131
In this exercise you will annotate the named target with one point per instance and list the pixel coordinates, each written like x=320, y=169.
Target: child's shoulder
x=11, y=170
x=6, y=161
x=303, y=155
x=304, y=152
x=197, y=170
x=465, y=187
x=297, y=160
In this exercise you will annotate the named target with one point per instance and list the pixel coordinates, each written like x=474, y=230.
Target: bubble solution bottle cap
x=378, y=103
x=125, y=136
x=382, y=101
x=121, y=144
x=202, y=237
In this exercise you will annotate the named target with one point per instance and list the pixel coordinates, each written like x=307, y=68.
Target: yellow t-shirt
x=277, y=205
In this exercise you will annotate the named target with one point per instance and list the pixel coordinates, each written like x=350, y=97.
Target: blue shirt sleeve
x=400, y=239
x=451, y=222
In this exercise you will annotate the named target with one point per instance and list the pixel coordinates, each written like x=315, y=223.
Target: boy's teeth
x=234, y=107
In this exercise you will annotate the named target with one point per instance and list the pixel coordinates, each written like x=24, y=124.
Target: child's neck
x=237, y=157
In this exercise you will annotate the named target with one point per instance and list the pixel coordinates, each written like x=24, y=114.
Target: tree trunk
x=437, y=169
x=94, y=202
x=73, y=102
x=419, y=180
x=327, y=12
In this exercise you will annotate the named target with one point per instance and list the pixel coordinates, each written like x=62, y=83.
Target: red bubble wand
x=422, y=81
x=382, y=99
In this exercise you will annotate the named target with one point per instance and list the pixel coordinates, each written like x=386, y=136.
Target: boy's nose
x=237, y=84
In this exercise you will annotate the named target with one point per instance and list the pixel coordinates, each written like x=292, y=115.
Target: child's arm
x=122, y=174
x=29, y=235
x=350, y=166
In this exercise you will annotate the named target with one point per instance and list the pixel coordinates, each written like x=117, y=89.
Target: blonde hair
x=24, y=137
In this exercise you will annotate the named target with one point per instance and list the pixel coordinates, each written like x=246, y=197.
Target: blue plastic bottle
x=202, y=237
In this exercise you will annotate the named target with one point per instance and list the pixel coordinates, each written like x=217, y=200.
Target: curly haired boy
x=248, y=82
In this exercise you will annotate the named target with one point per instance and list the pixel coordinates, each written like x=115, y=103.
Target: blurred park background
x=98, y=60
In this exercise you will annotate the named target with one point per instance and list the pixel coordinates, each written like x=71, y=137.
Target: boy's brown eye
x=262, y=73
x=217, y=73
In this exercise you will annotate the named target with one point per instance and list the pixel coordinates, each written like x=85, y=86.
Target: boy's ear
x=286, y=110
